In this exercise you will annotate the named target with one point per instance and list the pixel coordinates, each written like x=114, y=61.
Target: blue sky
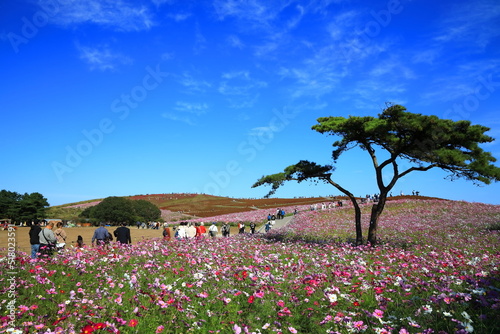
x=117, y=97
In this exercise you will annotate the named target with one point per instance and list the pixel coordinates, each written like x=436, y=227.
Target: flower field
x=256, y=216
x=436, y=270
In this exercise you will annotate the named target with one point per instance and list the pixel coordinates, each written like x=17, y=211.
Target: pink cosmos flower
x=328, y=318
x=359, y=326
x=378, y=314
x=259, y=294
x=202, y=295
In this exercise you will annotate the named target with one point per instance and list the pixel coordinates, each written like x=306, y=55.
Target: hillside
x=177, y=206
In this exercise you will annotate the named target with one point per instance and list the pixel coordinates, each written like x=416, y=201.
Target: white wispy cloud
x=393, y=68
x=192, y=108
x=240, y=89
x=267, y=18
x=250, y=10
x=115, y=14
x=200, y=42
x=179, y=118
x=263, y=131
x=167, y=56
x=464, y=80
x=186, y=112
x=179, y=17
x=235, y=42
x=159, y=3
x=295, y=20
x=426, y=55
x=236, y=74
x=102, y=58
x=342, y=24
x=192, y=84
x=476, y=22
x=465, y=29
x=319, y=74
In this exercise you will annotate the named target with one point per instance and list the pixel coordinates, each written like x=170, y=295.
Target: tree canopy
x=425, y=142
x=22, y=208
x=119, y=209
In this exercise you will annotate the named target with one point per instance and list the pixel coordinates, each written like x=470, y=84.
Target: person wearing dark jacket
x=122, y=234
x=34, y=239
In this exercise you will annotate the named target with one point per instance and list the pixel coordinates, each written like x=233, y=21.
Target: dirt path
x=277, y=224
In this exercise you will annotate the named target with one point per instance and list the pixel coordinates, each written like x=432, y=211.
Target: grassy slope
x=195, y=205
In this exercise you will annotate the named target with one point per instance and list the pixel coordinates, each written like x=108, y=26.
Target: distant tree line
x=22, y=208
x=115, y=210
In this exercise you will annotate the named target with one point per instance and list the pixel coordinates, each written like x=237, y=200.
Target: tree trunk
x=377, y=209
x=357, y=216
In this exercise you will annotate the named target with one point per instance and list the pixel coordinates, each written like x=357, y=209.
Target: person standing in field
x=190, y=230
x=241, y=227
x=60, y=236
x=252, y=227
x=47, y=240
x=203, y=229
x=226, y=230
x=181, y=232
x=101, y=236
x=34, y=239
x=198, y=234
x=122, y=234
x=213, y=230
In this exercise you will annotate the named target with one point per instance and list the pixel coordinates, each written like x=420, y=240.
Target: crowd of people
x=52, y=238
x=45, y=240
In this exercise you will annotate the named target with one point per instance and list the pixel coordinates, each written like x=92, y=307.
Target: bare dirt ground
x=23, y=241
